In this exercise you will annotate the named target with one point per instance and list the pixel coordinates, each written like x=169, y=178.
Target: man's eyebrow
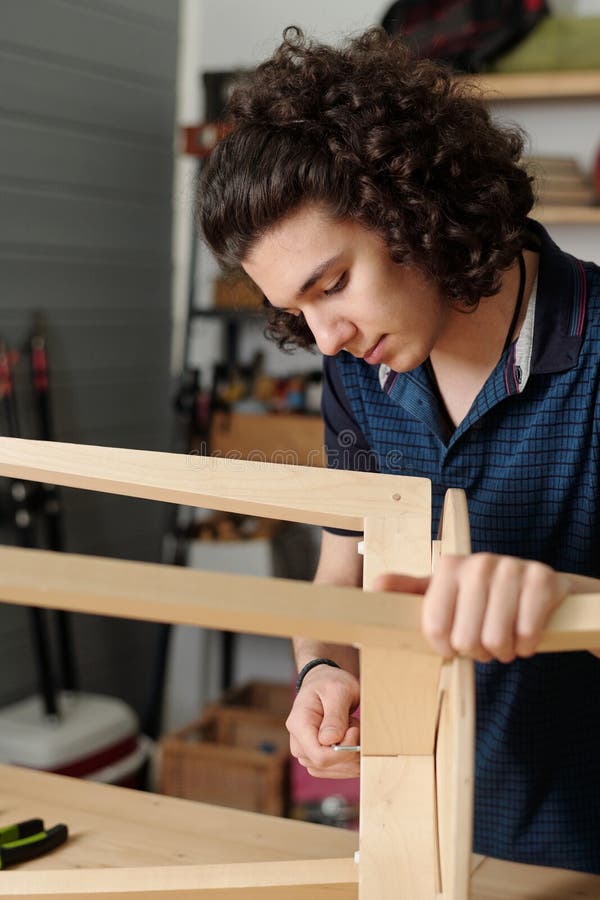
x=317, y=274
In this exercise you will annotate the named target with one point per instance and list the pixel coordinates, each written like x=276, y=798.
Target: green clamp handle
x=10, y=833
x=25, y=848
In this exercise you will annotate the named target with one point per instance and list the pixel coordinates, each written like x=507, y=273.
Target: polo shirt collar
x=560, y=308
x=550, y=344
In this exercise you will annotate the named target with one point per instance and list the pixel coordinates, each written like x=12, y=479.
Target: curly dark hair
x=374, y=135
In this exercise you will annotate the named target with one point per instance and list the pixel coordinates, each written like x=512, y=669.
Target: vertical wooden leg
x=398, y=834
x=455, y=745
x=397, y=829
x=399, y=708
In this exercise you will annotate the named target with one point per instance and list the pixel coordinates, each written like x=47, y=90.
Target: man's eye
x=338, y=286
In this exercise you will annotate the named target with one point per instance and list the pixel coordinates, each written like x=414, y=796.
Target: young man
x=384, y=216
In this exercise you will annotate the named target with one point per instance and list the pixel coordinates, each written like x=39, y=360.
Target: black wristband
x=321, y=661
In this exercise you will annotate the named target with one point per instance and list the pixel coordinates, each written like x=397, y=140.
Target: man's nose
x=331, y=334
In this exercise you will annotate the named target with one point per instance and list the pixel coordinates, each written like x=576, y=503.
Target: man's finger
x=405, y=584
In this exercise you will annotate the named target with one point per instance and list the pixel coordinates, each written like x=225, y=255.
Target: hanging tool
x=50, y=495
x=23, y=521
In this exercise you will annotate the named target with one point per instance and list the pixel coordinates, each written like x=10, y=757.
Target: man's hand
x=484, y=606
x=322, y=716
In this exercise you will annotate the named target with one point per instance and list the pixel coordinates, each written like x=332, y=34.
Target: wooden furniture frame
x=417, y=722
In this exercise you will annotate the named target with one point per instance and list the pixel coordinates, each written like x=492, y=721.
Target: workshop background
x=101, y=268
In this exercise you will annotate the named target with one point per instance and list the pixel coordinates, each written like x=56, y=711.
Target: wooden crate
x=237, y=758
x=261, y=696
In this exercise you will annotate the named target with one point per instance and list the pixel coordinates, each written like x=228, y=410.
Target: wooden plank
x=399, y=543
x=399, y=701
x=397, y=829
x=398, y=690
x=455, y=747
x=538, y=85
x=454, y=538
x=333, y=879
x=160, y=593
x=131, y=844
x=567, y=215
x=497, y=879
x=310, y=879
x=454, y=767
x=294, y=493
x=124, y=840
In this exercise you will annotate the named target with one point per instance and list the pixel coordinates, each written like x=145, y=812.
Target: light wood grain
x=397, y=543
x=112, y=826
x=567, y=215
x=147, y=591
x=399, y=702
x=538, y=85
x=159, y=593
x=136, y=845
x=123, y=842
x=305, y=880
x=398, y=690
x=455, y=747
x=454, y=768
x=294, y=493
x=397, y=861
x=496, y=879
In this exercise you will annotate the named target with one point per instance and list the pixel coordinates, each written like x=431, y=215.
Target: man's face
x=353, y=297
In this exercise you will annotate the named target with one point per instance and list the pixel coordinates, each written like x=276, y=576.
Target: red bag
x=467, y=34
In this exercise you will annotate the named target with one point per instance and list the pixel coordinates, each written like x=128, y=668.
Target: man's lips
x=373, y=356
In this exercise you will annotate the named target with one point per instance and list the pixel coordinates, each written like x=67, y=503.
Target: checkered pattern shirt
x=527, y=455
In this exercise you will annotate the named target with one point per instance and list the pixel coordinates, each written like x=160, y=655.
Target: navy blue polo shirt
x=528, y=456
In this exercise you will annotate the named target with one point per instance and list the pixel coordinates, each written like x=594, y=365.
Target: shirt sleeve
x=345, y=444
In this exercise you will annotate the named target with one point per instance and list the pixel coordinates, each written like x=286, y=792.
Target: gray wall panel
x=57, y=219
x=87, y=107
x=94, y=103
x=92, y=37
x=78, y=161
x=157, y=11
x=104, y=352
x=116, y=401
x=74, y=285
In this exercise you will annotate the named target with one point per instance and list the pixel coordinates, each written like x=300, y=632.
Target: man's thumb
x=331, y=731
